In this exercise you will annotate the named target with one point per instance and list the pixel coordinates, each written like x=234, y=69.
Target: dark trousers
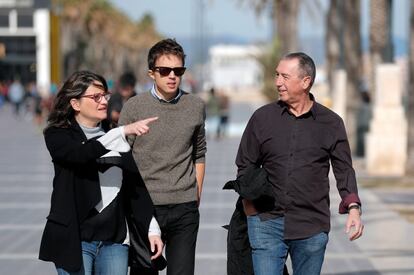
x=179, y=227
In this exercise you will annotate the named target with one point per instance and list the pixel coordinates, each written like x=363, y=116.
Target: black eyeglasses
x=98, y=96
x=164, y=71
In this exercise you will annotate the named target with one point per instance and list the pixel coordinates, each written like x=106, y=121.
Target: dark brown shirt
x=296, y=153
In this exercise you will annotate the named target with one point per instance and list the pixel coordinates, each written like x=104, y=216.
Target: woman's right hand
x=139, y=127
x=156, y=246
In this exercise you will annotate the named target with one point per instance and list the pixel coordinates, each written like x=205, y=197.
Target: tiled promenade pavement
x=25, y=184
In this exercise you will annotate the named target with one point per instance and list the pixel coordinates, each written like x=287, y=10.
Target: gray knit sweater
x=166, y=156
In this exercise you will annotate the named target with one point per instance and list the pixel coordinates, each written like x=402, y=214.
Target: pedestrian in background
x=212, y=110
x=125, y=91
x=223, y=112
x=295, y=139
x=171, y=157
x=16, y=95
x=97, y=187
x=364, y=116
x=3, y=93
x=218, y=108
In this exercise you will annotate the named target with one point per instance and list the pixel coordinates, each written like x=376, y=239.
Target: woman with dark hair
x=100, y=209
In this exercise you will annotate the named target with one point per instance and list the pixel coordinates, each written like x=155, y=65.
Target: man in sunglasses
x=171, y=157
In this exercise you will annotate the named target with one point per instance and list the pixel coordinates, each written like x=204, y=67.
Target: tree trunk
x=379, y=37
x=285, y=24
x=353, y=64
x=334, y=21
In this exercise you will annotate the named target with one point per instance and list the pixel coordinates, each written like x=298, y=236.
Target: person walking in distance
x=125, y=91
x=16, y=95
x=224, y=111
x=171, y=157
x=295, y=139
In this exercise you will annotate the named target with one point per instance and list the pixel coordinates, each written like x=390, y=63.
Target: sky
x=182, y=18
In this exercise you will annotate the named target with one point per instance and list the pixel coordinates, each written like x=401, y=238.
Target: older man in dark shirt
x=294, y=140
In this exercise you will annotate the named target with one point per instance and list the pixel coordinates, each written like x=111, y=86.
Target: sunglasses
x=98, y=96
x=165, y=71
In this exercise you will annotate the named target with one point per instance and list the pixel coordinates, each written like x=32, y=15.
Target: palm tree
x=96, y=35
x=352, y=62
x=267, y=61
x=379, y=36
x=284, y=15
x=334, y=31
x=285, y=24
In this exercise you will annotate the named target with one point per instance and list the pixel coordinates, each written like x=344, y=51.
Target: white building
x=25, y=40
x=235, y=67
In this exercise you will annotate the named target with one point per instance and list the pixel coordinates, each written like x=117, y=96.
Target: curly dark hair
x=75, y=86
x=163, y=47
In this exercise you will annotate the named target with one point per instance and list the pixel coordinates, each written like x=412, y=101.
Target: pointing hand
x=139, y=127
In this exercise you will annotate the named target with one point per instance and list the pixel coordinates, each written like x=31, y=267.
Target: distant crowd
x=28, y=102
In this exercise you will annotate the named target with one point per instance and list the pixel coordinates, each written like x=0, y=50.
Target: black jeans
x=179, y=227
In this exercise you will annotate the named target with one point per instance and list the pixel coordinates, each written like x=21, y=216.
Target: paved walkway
x=25, y=184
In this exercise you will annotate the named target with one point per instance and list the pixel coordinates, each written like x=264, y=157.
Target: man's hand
x=354, y=226
x=200, y=171
x=156, y=246
x=249, y=208
x=139, y=127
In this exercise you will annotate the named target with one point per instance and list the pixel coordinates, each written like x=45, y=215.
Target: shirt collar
x=312, y=111
x=172, y=101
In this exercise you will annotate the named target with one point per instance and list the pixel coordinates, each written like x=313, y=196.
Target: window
x=24, y=20
x=4, y=20
x=19, y=45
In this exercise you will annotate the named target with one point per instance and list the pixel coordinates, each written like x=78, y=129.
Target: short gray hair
x=306, y=64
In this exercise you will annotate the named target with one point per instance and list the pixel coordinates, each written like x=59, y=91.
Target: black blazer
x=76, y=191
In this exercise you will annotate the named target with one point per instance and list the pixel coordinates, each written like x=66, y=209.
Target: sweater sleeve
x=200, y=144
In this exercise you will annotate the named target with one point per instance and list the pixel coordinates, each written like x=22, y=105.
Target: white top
x=111, y=180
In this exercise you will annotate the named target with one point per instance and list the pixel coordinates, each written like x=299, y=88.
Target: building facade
x=234, y=67
x=25, y=41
